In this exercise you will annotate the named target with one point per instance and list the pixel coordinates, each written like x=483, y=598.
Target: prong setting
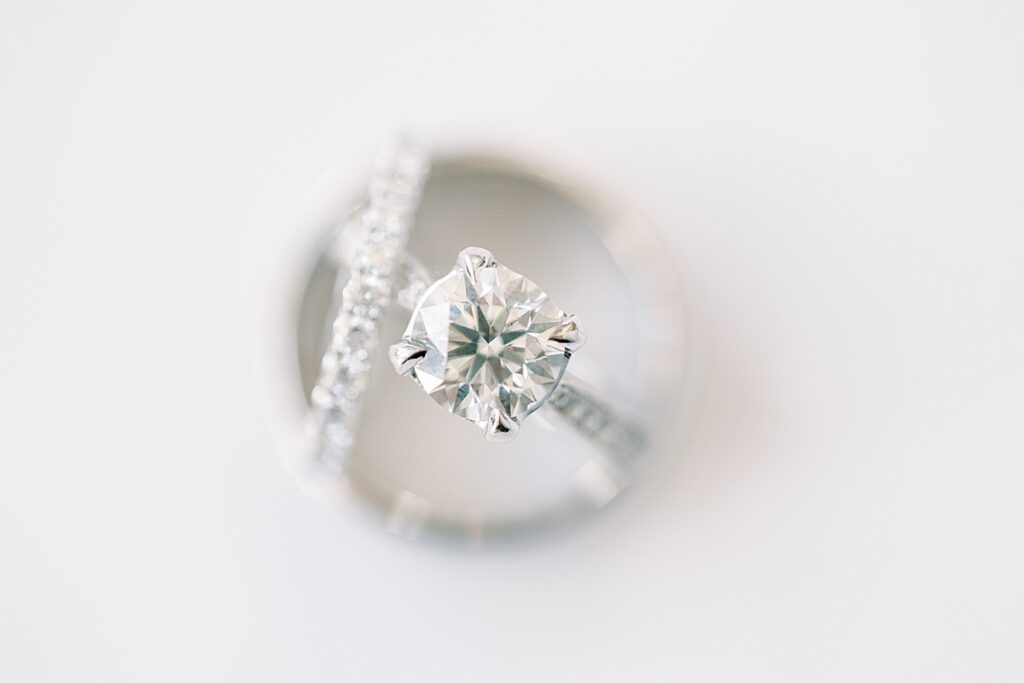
x=500, y=427
x=405, y=355
x=474, y=259
x=569, y=333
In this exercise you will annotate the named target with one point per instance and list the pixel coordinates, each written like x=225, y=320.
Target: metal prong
x=500, y=427
x=473, y=259
x=405, y=355
x=570, y=333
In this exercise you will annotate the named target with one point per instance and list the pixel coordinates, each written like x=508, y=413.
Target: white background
x=840, y=185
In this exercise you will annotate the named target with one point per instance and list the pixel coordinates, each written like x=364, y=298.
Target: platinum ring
x=509, y=365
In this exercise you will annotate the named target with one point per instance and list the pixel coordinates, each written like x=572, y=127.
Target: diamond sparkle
x=487, y=344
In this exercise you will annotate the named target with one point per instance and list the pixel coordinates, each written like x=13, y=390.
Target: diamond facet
x=487, y=344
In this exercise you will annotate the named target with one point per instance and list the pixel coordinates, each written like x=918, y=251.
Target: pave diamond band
x=375, y=262
x=612, y=428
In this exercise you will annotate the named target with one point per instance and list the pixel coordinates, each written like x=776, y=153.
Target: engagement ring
x=488, y=341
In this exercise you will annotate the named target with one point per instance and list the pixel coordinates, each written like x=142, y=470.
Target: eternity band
x=375, y=254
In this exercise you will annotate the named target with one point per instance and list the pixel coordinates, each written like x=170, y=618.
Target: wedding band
x=378, y=241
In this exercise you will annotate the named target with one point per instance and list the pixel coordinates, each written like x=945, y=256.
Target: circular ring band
x=380, y=273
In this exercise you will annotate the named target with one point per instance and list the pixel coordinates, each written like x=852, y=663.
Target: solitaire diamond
x=487, y=344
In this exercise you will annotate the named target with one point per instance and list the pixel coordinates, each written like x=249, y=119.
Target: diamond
x=487, y=344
